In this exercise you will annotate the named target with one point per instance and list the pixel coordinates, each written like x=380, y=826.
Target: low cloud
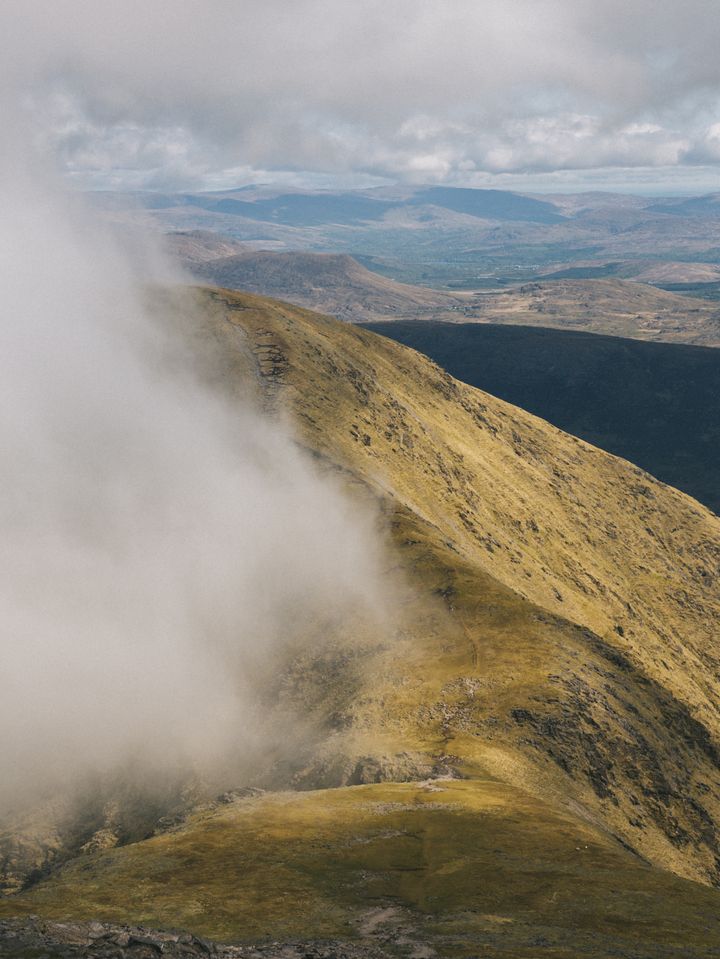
x=159, y=546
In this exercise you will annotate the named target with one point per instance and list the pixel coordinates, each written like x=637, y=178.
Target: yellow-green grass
x=575, y=587
x=465, y=862
x=554, y=639
x=614, y=307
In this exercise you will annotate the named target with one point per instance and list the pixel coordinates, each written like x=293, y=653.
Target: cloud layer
x=180, y=94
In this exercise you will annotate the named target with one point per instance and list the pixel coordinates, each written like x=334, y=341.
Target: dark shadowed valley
x=655, y=404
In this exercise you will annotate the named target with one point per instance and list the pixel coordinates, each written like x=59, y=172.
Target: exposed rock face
x=20, y=939
x=96, y=940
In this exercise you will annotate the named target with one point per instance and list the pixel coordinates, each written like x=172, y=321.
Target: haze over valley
x=458, y=237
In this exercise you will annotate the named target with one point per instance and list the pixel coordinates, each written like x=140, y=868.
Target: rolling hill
x=340, y=286
x=610, y=306
x=656, y=404
x=527, y=759
x=654, y=272
x=330, y=283
x=706, y=205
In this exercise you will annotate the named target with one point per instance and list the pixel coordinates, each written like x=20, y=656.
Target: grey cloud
x=404, y=89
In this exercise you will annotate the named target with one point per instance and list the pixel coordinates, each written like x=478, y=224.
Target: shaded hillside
x=334, y=284
x=610, y=306
x=656, y=404
x=656, y=272
x=488, y=204
x=526, y=759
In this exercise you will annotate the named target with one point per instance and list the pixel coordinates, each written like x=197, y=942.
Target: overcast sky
x=528, y=94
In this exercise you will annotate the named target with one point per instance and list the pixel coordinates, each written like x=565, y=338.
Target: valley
x=655, y=404
x=453, y=238
x=339, y=285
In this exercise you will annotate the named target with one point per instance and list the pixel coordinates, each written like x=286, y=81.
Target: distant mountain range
x=446, y=236
x=321, y=208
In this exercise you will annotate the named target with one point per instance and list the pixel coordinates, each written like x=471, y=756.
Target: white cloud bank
x=172, y=94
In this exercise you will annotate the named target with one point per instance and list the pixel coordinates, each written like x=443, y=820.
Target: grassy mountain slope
x=549, y=693
x=462, y=865
x=332, y=283
x=610, y=306
x=656, y=404
x=659, y=272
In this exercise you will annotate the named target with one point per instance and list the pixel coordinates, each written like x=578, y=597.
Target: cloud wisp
x=158, y=545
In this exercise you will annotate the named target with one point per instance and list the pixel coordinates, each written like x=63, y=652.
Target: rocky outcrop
x=20, y=938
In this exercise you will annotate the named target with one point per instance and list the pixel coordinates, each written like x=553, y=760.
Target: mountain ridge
x=333, y=283
x=551, y=684
x=653, y=403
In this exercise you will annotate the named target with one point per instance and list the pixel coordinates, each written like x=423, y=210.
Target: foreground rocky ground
x=34, y=938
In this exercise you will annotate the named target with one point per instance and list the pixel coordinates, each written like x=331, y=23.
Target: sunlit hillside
x=531, y=753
